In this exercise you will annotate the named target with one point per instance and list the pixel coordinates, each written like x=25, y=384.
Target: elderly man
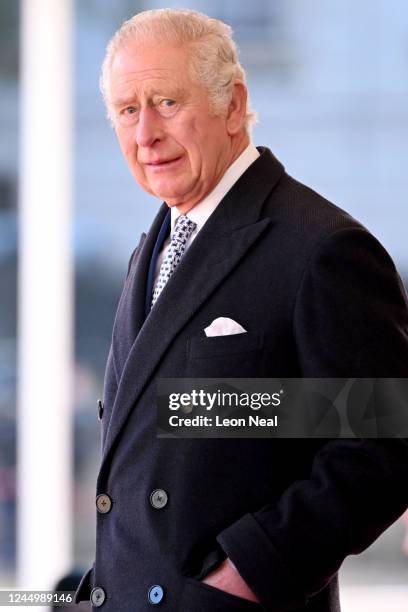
x=198, y=525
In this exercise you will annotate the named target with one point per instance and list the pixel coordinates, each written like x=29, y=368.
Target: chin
x=170, y=199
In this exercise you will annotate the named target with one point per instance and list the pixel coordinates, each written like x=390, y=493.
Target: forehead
x=138, y=66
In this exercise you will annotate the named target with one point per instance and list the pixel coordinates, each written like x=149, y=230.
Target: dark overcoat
x=319, y=297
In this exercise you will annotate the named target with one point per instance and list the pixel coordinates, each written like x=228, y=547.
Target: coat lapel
x=228, y=234
x=130, y=313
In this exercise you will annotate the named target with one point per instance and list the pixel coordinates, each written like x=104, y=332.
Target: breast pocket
x=233, y=356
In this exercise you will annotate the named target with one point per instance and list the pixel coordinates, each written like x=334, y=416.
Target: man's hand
x=227, y=578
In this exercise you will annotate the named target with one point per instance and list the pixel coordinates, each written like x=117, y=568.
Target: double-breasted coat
x=319, y=297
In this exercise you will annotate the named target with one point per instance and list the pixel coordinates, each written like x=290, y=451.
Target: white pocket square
x=223, y=326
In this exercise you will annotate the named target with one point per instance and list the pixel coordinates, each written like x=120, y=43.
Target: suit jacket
x=319, y=297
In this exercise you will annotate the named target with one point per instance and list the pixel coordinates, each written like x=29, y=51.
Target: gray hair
x=213, y=60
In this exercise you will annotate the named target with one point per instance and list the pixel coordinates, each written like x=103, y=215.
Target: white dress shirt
x=204, y=209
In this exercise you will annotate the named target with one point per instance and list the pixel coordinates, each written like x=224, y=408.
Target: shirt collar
x=201, y=211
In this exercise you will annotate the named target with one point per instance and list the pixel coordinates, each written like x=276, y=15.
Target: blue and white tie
x=182, y=231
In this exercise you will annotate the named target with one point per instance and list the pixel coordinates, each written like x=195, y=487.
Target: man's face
x=176, y=148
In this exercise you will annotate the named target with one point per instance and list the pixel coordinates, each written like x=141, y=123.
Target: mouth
x=162, y=163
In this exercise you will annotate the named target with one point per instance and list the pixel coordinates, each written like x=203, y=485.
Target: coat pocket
x=233, y=356
x=202, y=597
x=201, y=347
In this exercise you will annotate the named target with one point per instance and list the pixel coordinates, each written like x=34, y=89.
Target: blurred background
x=328, y=80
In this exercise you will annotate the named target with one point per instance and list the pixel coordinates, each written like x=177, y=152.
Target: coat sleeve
x=350, y=320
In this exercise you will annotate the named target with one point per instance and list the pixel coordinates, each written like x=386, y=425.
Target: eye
x=129, y=115
x=167, y=107
x=166, y=103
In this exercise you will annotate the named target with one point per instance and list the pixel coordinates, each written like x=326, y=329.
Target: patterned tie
x=182, y=231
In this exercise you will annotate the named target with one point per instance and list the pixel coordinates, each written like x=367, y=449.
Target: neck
x=238, y=145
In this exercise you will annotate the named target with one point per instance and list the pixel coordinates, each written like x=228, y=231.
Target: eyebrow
x=131, y=98
x=126, y=100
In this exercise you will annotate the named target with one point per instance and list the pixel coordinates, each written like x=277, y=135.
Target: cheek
x=196, y=154
x=187, y=136
x=202, y=142
x=129, y=150
x=126, y=143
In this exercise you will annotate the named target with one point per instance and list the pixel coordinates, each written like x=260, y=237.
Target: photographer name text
x=218, y=421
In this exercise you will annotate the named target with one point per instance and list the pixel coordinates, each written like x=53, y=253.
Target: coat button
x=98, y=596
x=155, y=594
x=103, y=503
x=100, y=409
x=158, y=498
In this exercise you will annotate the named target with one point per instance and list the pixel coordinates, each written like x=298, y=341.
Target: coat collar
x=233, y=227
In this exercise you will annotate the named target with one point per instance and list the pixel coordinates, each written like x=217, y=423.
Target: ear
x=237, y=108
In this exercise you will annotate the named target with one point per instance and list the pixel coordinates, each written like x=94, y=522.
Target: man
x=232, y=524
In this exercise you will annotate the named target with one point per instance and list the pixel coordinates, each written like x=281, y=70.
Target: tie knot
x=183, y=229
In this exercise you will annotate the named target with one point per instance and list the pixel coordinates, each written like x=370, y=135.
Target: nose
x=149, y=127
